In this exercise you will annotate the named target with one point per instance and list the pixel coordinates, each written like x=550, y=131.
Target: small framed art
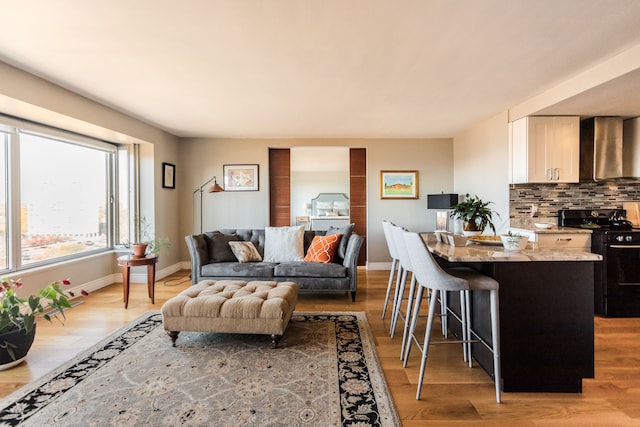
x=168, y=175
x=398, y=184
x=240, y=177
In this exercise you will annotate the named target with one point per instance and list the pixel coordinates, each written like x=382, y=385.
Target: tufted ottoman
x=231, y=306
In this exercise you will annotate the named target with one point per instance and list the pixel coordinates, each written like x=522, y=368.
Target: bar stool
x=395, y=267
x=405, y=263
x=430, y=274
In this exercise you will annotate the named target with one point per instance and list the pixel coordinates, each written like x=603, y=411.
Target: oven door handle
x=625, y=246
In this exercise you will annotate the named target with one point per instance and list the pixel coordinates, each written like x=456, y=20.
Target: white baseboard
x=134, y=278
x=379, y=266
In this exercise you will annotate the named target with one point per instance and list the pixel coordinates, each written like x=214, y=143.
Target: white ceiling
x=319, y=68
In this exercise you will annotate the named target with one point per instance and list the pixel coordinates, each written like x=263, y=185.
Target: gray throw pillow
x=219, y=249
x=346, y=231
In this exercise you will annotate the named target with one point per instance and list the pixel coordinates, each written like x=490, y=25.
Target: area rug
x=324, y=373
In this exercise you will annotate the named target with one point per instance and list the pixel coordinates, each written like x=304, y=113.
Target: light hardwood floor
x=453, y=394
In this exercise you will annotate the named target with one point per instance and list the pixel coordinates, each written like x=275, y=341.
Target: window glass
x=63, y=198
x=3, y=201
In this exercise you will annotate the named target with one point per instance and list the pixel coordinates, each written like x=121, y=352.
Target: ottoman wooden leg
x=275, y=339
x=174, y=336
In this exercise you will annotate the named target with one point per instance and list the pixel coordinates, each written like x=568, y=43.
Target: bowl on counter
x=456, y=239
x=543, y=224
x=514, y=242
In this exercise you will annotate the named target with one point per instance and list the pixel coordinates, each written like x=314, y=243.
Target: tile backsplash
x=549, y=198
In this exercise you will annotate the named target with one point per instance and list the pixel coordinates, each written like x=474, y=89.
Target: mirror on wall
x=316, y=170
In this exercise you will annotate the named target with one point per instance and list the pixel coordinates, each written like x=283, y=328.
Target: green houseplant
x=18, y=316
x=474, y=213
x=147, y=244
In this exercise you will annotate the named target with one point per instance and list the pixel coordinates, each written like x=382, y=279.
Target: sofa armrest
x=199, y=253
x=351, y=260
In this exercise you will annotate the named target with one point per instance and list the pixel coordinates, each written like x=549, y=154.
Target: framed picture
x=168, y=175
x=240, y=177
x=398, y=184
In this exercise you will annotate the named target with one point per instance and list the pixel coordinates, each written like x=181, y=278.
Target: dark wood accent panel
x=359, y=218
x=279, y=187
x=358, y=196
x=359, y=199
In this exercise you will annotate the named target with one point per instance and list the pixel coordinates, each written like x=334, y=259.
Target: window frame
x=14, y=128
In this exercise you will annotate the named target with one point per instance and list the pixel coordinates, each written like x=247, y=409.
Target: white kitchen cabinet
x=545, y=149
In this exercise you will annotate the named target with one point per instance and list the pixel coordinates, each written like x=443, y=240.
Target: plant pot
x=22, y=342
x=139, y=249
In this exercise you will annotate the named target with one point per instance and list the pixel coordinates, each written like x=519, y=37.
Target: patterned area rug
x=323, y=373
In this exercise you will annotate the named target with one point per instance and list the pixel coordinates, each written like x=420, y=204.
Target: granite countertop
x=473, y=252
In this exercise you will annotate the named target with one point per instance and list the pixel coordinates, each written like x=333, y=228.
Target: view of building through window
x=64, y=198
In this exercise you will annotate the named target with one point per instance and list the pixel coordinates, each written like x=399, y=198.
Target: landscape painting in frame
x=398, y=184
x=240, y=177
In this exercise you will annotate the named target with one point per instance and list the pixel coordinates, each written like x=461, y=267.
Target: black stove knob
x=620, y=238
x=628, y=238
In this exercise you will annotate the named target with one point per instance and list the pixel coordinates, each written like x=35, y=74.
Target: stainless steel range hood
x=601, y=148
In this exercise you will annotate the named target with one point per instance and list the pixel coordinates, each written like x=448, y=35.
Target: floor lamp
x=215, y=188
x=442, y=202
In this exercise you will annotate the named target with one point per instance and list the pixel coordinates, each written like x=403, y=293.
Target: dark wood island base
x=546, y=323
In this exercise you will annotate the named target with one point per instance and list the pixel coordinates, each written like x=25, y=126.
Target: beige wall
x=481, y=159
x=204, y=158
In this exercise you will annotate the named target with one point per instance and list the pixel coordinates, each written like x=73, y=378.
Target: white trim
x=105, y=281
x=379, y=266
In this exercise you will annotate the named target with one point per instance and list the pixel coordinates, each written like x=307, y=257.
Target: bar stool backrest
x=427, y=271
x=388, y=235
x=401, y=247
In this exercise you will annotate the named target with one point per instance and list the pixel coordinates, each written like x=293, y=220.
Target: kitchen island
x=546, y=313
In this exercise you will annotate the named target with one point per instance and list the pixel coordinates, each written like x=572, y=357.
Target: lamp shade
x=441, y=201
x=215, y=188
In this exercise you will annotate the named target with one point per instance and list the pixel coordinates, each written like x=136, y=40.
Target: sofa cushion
x=219, y=249
x=309, y=269
x=346, y=231
x=283, y=244
x=323, y=248
x=245, y=251
x=238, y=269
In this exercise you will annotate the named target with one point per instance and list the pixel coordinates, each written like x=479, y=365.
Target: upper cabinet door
x=545, y=149
x=566, y=148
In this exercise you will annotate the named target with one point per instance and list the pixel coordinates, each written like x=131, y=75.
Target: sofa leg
x=353, y=296
x=174, y=336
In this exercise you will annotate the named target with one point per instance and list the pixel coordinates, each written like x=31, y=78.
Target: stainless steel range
x=617, y=277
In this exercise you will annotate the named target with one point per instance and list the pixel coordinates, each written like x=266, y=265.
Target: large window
x=63, y=197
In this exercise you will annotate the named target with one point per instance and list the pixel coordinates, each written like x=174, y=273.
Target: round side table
x=128, y=261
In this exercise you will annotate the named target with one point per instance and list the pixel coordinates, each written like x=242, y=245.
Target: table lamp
x=442, y=202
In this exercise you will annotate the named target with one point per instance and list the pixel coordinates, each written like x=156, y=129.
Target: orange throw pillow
x=323, y=248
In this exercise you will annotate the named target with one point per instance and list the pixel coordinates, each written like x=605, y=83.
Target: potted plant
x=475, y=215
x=18, y=317
x=147, y=243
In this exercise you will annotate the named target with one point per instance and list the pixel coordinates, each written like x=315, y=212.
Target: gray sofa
x=211, y=258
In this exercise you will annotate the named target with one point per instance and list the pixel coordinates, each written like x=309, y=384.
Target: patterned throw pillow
x=245, y=251
x=323, y=248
